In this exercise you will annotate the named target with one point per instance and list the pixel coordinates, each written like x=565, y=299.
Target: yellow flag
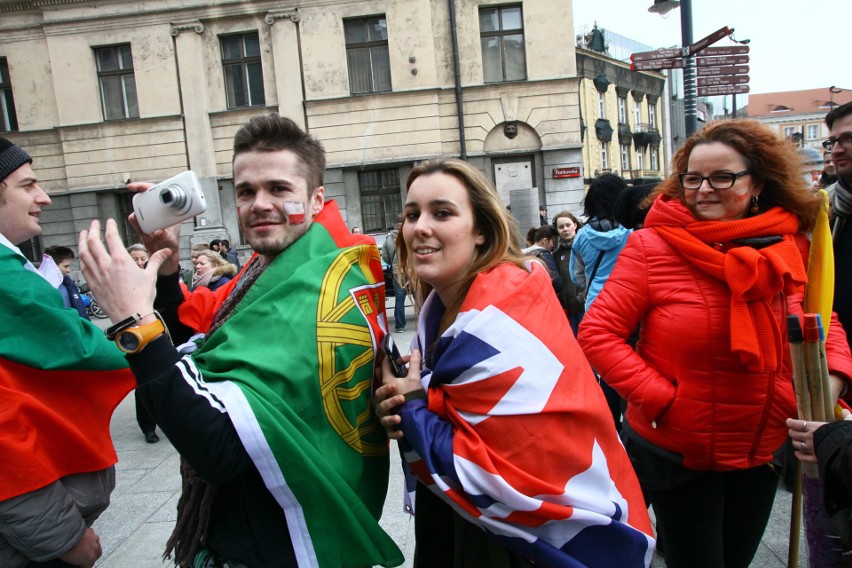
x=819, y=292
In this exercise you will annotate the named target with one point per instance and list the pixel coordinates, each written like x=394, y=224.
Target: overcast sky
x=794, y=45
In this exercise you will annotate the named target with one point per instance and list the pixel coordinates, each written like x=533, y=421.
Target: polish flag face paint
x=710, y=204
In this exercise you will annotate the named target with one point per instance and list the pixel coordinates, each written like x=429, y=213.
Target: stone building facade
x=102, y=93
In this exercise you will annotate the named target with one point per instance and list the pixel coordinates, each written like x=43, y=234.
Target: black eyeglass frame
x=734, y=176
x=845, y=140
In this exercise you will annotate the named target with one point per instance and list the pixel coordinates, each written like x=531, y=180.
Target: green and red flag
x=60, y=381
x=293, y=365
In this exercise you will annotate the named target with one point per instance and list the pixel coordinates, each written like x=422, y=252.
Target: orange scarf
x=754, y=276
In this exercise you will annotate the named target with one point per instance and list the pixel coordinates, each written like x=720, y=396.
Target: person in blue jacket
x=71, y=296
x=598, y=243
x=596, y=248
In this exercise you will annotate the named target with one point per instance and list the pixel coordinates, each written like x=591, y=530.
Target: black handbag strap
x=594, y=271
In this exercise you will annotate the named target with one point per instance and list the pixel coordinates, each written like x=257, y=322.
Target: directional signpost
x=729, y=70
x=726, y=50
x=723, y=80
x=702, y=44
x=720, y=70
x=657, y=64
x=723, y=60
x=715, y=90
x=723, y=71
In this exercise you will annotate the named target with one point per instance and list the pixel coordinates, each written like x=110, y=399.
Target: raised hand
x=122, y=289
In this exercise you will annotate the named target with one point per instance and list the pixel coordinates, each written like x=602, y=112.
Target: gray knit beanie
x=12, y=157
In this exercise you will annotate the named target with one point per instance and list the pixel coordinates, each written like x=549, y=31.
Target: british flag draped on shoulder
x=517, y=436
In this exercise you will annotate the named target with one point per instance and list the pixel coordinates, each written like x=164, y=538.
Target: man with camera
x=60, y=382
x=271, y=412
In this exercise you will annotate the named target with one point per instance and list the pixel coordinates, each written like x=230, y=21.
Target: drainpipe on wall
x=457, y=73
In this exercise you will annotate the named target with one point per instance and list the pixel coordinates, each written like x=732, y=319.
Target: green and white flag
x=293, y=365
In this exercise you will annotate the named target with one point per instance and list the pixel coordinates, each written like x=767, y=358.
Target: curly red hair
x=773, y=161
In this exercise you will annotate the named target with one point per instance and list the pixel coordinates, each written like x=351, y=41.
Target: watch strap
x=114, y=330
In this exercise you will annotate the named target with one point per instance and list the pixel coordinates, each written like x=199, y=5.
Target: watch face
x=128, y=341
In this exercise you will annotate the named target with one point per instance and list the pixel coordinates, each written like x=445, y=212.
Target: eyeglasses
x=845, y=140
x=721, y=180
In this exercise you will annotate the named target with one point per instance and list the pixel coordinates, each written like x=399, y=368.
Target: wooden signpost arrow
x=723, y=60
x=702, y=43
x=714, y=90
x=726, y=50
x=657, y=64
x=729, y=70
x=668, y=53
x=723, y=80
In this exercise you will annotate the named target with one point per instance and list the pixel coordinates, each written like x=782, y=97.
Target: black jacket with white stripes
x=246, y=523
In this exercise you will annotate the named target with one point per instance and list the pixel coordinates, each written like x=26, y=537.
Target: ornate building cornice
x=24, y=5
x=194, y=25
x=273, y=16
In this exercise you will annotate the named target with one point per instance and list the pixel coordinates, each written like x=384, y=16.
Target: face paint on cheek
x=295, y=212
x=742, y=196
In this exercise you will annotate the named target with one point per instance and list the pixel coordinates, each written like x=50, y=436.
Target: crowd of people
x=526, y=439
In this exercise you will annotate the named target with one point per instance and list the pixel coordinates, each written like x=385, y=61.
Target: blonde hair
x=502, y=237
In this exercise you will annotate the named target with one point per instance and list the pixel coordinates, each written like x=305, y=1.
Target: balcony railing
x=646, y=135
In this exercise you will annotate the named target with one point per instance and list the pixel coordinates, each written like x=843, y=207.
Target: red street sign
x=725, y=60
x=723, y=80
x=725, y=50
x=729, y=70
x=561, y=173
x=709, y=40
x=657, y=54
x=657, y=64
x=715, y=90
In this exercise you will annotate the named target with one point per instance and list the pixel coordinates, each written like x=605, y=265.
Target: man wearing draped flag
x=284, y=463
x=60, y=382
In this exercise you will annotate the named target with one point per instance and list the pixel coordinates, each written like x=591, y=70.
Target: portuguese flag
x=293, y=364
x=60, y=381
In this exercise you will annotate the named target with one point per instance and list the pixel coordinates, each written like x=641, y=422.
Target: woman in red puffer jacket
x=711, y=279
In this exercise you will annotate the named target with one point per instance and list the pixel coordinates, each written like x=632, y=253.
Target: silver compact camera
x=169, y=203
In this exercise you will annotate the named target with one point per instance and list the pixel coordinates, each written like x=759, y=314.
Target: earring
x=754, y=208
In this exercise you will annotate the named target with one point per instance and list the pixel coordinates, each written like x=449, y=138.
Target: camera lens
x=175, y=197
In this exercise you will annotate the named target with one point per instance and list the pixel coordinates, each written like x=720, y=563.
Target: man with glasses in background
x=839, y=122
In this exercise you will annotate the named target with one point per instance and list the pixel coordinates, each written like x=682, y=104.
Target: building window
x=655, y=159
x=652, y=116
x=604, y=157
x=117, y=82
x=381, y=201
x=8, y=118
x=601, y=105
x=789, y=131
x=31, y=249
x=502, y=38
x=625, y=157
x=622, y=110
x=243, y=70
x=637, y=113
x=640, y=160
x=813, y=131
x=367, y=55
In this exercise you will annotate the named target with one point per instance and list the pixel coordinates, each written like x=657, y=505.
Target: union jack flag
x=517, y=437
